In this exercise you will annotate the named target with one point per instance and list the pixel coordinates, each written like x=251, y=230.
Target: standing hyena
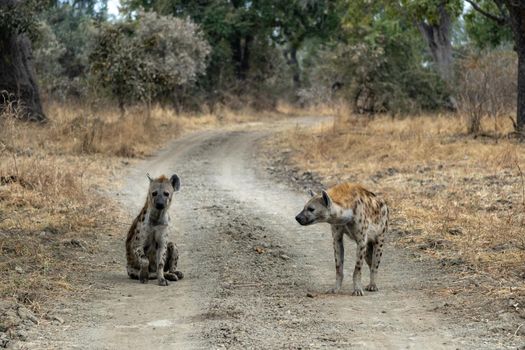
x=148, y=252
x=352, y=210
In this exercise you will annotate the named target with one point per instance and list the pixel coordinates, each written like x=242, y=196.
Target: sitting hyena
x=148, y=252
x=352, y=210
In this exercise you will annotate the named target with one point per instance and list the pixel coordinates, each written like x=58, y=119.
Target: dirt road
x=249, y=268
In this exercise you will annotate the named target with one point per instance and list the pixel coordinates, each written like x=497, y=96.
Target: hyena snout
x=301, y=219
x=160, y=203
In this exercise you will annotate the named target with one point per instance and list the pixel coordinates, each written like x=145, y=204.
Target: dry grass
x=54, y=217
x=459, y=199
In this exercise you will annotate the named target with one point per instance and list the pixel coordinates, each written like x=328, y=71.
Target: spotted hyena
x=149, y=253
x=352, y=210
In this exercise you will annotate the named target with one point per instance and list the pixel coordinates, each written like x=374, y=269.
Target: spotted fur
x=149, y=254
x=354, y=211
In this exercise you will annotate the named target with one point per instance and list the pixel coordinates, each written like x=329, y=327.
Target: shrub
x=148, y=59
x=487, y=87
x=382, y=72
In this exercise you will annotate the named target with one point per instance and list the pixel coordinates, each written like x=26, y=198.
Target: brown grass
x=54, y=219
x=459, y=199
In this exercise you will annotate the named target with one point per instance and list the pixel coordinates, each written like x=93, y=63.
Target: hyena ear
x=175, y=182
x=149, y=177
x=312, y=193
x=327, y=200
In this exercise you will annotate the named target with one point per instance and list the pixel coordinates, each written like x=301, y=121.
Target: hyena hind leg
x=374, y=253
x=172, y=258
x=134, y=274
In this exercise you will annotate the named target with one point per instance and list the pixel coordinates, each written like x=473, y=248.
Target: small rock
x=284, y=257
x=21, y=334
x=19, y=269
x=9, y=320
x=26, y=314
x=309, y=295
x=58, y=319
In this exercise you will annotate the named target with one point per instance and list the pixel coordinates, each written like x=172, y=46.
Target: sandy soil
x=254, y=278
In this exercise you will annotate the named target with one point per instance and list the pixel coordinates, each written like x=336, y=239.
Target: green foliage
x=380, y=68
x=299, y=20
x=428, y=10
x=148, y=58
x=485, y=32
x=62, y=49
x=17, y=17
x=237, y=29
x=263, y=50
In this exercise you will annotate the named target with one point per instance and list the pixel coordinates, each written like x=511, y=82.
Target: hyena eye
x=166, y=193
x=154, y=193
x=311, y=209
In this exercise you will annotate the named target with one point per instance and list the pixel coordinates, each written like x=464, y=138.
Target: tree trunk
x=517, y=22
x=17, y=77
x=294, y=64
x=241, y=47
x=520, y=116
x=438, y=39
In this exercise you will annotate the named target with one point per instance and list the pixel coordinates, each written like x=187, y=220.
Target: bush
x=61, y=52
x=382, y=72
x=487, y=87
x=148, y=59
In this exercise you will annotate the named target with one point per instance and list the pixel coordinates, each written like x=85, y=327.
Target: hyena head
x=321, y=208
x=161, y=191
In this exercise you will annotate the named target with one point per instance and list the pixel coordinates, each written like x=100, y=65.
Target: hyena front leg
x=170, y=269
x=143, y=261
x=161, y=260
x=339, y=255
x=360, y=258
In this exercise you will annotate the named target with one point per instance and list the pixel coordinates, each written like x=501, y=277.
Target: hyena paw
x=144, y=277
x=171, y=276
x=179, y=274
x=371, y=287
x=334, y=290
x=163, y=282
x=358, y=292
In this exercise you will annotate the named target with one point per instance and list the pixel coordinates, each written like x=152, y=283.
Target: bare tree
x=512, y=13
x=487, y=88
